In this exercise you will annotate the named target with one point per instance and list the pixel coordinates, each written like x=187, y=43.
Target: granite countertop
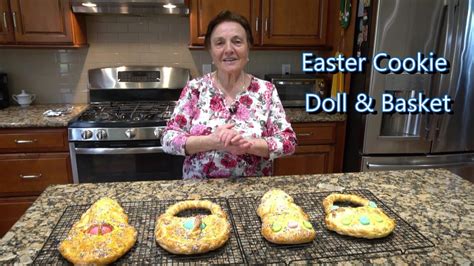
x=32, y=116
x=299, y=115
x=436, y=202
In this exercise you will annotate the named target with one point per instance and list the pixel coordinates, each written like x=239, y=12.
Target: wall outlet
x=206, y=68
x=285, y=69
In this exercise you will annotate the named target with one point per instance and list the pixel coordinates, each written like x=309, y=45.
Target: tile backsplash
x=60, y=75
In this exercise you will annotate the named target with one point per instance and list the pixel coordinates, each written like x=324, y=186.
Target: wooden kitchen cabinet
x=202, y=11
x=12, y=209
x=6, y=29
x=319, y=151
x=29, y=23
x=294, y=22
x=31, y=159
x=31, y=173
x=275, y=23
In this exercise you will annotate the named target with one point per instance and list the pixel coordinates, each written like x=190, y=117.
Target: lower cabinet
x=31, y=173
x=310, y=159
x=319, y=151
x=12, y=209
x=31, y=159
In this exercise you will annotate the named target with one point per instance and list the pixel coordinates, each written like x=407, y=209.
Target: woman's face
x=229, y=47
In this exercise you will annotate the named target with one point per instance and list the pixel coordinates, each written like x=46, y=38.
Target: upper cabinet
x=202, y=11
x=6, y=29
x=294, y=22
x=40, y=23
x=275, y=23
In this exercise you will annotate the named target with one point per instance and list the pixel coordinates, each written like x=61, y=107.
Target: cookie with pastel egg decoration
x=101, y=236
x=192, y=235
x=284, y=222
x=366, y=220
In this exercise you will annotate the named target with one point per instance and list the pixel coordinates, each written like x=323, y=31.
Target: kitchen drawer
x=315, y=133
x=31, y=140
x=30, y=174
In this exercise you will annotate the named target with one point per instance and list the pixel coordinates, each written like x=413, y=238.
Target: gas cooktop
x=125, y=114
x=128, y=103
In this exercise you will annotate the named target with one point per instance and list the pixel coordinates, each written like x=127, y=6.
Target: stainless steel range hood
x=131, y=7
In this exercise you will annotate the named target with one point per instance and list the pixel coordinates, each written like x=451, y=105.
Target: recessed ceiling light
x=89, y=4
x=169, y=6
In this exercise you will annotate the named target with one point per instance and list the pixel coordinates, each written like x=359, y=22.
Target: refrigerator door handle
x=449, y=53
x=431, y=121
x=375, y=166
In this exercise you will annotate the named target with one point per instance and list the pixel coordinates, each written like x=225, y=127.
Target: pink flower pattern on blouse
x=257, y=113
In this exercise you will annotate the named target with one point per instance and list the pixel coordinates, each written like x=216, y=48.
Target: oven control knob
x=86, y=134
x=131, y=133
x=101, y=134
x=158, y=132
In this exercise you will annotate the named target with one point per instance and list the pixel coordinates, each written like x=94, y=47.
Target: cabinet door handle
x=304, y=134
x=5, y=25
x=25, y=141
x=256, y=24
x=14, y=20
x=266, y=25
x=30, y=176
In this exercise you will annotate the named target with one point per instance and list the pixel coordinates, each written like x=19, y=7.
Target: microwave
x=4, y=95
x=292, y=89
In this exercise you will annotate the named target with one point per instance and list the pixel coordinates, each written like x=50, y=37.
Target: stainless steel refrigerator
x=402, y=28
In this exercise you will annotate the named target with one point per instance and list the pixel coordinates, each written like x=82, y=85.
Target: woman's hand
x=225, y=134
x=230, y=140
x=239, y=145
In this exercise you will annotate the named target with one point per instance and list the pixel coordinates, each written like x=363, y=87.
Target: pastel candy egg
x=308, y=225
x=292, y=224
x=276, y=227
x=346, y=220
x=189, y=224
x=378, y=218
x=364, y=220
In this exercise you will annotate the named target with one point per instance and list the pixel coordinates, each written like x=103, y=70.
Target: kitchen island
x=435, y=202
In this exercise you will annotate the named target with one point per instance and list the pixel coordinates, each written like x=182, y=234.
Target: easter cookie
x=363, y=221
x=284, y=222
x=192, y=235
x=101, y=236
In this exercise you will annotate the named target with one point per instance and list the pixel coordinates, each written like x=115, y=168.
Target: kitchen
x=60, y=75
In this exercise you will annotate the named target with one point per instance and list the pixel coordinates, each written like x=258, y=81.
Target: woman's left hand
x=239, y=145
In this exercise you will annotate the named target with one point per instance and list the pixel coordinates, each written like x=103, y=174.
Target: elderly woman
x=228, y=123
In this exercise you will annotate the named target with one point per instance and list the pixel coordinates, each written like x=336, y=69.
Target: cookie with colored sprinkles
x=365, y=220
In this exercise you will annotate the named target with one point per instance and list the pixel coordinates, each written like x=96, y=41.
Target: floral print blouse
x=256, y=113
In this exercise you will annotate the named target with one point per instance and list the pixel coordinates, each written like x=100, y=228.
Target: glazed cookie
x=192, y=235
x=101, y=236
x=275, y=201
x=284, y=222
x=365, y=221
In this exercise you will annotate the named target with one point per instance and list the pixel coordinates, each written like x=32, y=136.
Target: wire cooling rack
x=328, y=246
x=142, y=215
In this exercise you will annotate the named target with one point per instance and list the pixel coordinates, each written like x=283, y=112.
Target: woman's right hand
x=230, y=140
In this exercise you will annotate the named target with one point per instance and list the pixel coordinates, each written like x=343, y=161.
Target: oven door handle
x=139, y=150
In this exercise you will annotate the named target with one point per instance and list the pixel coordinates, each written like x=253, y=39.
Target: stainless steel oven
x=292, y=89
x=117, y=138
x=123, y=161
